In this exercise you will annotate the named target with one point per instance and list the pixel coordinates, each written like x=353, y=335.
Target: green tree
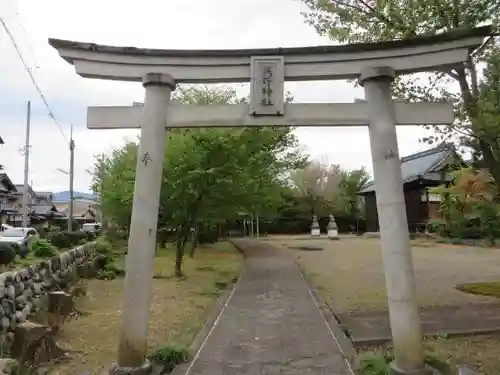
x=477, y=125
x=209, y=174
x=350, y=184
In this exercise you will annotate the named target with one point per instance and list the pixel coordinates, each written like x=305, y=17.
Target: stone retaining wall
x=22, y=291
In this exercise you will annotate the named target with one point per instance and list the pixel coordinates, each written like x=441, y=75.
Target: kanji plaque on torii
x=267, y=86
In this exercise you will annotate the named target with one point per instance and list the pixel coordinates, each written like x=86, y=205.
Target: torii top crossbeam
x=419, y=54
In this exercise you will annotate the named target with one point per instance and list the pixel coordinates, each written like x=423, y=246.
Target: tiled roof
x=423, y=165
x=20, y=189
x=4, y=178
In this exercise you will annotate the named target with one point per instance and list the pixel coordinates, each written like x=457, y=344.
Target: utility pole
x=26, y=165
x=71, y=175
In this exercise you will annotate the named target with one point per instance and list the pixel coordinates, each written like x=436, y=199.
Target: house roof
x=424, y=165
x=46, y=210
x=81, y=208
x=43, y=210
x=20, y=189
x=6, y=180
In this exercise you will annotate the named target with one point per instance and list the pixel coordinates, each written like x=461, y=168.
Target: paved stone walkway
x=373, y=327
x=270, y=325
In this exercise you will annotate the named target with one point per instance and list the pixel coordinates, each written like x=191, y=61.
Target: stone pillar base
x=145, y=369
x=397, y=371
x=333, y=234
x=315, y=232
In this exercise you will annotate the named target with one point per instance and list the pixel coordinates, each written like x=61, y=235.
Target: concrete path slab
x=271, y=324
x=469, y=319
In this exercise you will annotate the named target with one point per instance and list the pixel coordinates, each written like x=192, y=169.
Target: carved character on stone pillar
x=146, y=159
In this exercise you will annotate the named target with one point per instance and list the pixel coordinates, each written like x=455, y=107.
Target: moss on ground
x=491, y=289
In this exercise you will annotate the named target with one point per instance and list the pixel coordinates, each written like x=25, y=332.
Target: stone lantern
x=315, y=232
x=333, y=232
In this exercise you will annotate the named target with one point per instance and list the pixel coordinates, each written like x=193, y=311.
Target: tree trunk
x=179, y=253
x=194, y=243
x=180, y=246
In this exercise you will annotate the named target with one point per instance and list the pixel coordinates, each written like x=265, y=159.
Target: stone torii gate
x=375, y=65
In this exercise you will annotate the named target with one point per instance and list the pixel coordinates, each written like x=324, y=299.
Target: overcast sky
x=149, y=23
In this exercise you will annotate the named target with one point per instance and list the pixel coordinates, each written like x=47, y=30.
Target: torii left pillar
x=143, y=225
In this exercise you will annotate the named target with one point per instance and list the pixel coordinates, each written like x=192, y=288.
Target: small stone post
x=143, y=225
x=396, y=250
x=333, y=232
x=315, y=232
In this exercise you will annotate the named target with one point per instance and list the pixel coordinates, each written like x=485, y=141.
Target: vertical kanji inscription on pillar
x=267, y=83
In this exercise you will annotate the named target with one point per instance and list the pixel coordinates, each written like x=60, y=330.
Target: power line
x=28, y=39
x=32, y=77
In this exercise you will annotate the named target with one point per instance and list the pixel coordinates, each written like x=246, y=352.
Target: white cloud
x=150, y=23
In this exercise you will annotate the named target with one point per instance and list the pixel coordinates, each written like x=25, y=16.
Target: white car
x=17, y=235
x=91, y=227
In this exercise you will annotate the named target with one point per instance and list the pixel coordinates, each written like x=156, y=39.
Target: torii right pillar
x=395, y=240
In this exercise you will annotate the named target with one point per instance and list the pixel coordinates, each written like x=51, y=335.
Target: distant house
x=9, y=213
x=83, y=210
x=19, y=195
x=44, y=198
x=45, y=215
x=420, y=171
x=41, y=209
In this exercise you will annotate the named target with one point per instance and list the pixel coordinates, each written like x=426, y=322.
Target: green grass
x=378, y=362
x=491, y=289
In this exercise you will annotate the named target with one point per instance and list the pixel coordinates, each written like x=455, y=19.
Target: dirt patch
x=178, y=309
x=349, y=272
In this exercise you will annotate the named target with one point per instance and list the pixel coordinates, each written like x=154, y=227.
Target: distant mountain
x=63, y=196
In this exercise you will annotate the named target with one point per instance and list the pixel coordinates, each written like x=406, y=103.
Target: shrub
x=65, y=240
x=90, y=236
x=105, y=275
x=83, y=241
x=375, y=364
x=43, y=232
x=7, y=253
x=488, y=220
x=472, y=233
x=435, y=226
x=170, y=356
x=23, y=249
x=42, y=248
x=103, y=247
x=108, y=269
x=115, y=234
x=207, y=236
